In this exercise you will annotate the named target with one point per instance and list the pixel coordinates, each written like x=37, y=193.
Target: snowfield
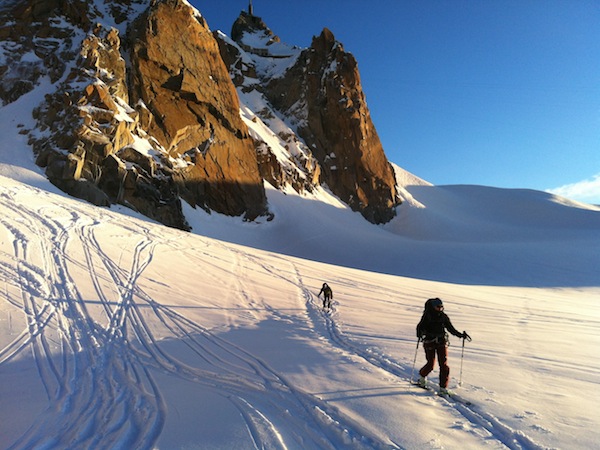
x=120, y=333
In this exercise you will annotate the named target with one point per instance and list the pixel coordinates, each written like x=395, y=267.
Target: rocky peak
x=195, y=109
x=141, y=109
x=319, y=90
x=340, y=130
x=251, y=24
x=325, y=42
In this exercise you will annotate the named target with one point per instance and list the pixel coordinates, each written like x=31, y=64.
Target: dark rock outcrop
x=195, y=110
x=35, y=44
x=323, y=86
x=339, y=129
x=147, y=115
x=163, y=127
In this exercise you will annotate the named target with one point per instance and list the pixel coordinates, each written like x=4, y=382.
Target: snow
x=271, y=130
x=123, y=333
x=270, y=58
x=117, y=332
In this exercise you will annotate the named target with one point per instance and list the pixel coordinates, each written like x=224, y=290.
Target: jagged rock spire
x=247, y=22
x=323, y=85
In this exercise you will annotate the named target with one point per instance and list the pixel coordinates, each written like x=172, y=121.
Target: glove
x=466, y=336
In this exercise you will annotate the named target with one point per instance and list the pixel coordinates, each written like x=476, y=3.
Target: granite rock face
x=321, y=89
x=194, y=109
x=146, y=133
x=146, y=107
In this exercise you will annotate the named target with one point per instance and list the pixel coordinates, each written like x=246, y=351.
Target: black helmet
x=432, y=304
x=435, y=302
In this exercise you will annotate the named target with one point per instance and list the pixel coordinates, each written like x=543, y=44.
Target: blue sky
x=496, y=93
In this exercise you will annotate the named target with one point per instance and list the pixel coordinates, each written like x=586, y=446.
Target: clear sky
x=496, y=93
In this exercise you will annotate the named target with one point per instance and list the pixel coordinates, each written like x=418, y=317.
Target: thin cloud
x=583, y=191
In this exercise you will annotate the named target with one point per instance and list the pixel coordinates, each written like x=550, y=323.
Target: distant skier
x=327, y=295
x=432, y=331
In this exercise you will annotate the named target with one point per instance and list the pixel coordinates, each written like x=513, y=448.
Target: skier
x=432, y=331
x=327, y=295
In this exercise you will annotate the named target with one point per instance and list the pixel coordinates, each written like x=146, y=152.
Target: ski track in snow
x=326, y=324
x=100, y=377
x=95, y=387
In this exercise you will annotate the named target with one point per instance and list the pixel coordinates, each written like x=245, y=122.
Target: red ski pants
x=431, y=349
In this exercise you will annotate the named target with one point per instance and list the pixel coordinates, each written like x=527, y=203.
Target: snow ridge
x=109, y=328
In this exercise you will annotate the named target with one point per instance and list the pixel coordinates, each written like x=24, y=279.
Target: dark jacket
x=433, y=326
x=326, y=290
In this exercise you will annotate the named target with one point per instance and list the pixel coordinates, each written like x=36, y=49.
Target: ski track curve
x=99, y=377
x=74, y=377
x=326, y=324
x=100, y=384
x=334, y=429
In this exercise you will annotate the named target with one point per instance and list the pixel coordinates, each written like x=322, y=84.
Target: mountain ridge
x=144, y=112
x=319, y=89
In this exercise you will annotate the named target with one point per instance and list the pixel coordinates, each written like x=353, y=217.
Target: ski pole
x=462, y=356
x=412, y=372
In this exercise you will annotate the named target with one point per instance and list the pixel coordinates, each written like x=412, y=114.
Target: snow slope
x=120, y=333
x=443, y=233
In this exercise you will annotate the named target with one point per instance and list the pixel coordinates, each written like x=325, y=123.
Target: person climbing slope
x=327, y=295
x=432, y=331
